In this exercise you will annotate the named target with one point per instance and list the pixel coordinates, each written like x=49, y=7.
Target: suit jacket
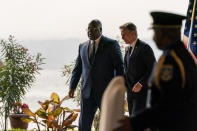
x=140, y=65
x=108, y=63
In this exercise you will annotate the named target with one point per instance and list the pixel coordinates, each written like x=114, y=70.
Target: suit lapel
x=125, y=58
x=87, y=52
x=134, y=50
x=100, y=48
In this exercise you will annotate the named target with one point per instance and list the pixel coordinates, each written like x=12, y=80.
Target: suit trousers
x=89, y=107
x=136, y=102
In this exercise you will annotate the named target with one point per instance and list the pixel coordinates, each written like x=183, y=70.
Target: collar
x=133, y=44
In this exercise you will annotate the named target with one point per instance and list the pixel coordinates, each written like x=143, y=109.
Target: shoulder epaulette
x=180, y=64
x=160, y=65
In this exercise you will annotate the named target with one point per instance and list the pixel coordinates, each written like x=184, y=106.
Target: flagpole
x=192, y=23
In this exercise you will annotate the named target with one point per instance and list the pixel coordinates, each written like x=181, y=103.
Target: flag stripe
x=191, y=27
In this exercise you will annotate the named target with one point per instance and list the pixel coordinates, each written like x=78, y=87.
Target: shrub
x=17, y=73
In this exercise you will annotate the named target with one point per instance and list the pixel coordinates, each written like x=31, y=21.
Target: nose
x=89, y=32
x=122, y=37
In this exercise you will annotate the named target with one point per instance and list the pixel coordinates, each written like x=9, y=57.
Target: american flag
x=191, y=27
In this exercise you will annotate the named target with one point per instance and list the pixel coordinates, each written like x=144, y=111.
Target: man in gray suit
x=99, y=60
x=139, y=60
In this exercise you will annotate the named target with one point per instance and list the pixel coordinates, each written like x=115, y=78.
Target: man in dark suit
x=98, y=61
x=173, y=82
x=139, y=60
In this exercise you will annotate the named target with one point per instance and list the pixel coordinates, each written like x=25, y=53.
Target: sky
x=55, y=28
x=65, y=19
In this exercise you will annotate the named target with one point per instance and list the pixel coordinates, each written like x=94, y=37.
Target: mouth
x=91, y=36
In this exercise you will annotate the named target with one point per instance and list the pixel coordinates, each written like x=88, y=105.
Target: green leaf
x=27, y=120
x=57, y=112
x=41, y=113
x=45, y=105
x=44, y=121
x=28, y=112
x=67, y=109
x=70, y=119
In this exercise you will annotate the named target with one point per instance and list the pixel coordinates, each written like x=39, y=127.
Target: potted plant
x=52, y=115
x=17, y=114
x=17, y=74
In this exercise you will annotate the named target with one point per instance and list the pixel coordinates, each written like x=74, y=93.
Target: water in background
x=57, y=54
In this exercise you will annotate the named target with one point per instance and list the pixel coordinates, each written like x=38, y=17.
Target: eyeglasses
x=92, y=29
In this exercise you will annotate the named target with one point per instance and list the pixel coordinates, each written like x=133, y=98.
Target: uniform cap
x=166, y=20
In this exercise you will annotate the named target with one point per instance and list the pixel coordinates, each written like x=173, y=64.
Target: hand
x=71, y=93
x=193, y=56
x=125, y=125
x=137, y=87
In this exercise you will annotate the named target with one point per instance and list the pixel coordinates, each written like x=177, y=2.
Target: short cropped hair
x=98, y=22
x=129, y=26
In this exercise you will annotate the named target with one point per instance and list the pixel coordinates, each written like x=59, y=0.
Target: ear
x=133, y=35
x=101, y=30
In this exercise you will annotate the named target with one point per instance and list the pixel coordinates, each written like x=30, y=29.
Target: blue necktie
x=92, y=54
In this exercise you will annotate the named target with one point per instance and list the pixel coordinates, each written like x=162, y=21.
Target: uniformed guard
x=173, y=83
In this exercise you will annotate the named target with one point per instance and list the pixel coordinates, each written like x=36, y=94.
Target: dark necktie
x=128, y=55
x=92, y=54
